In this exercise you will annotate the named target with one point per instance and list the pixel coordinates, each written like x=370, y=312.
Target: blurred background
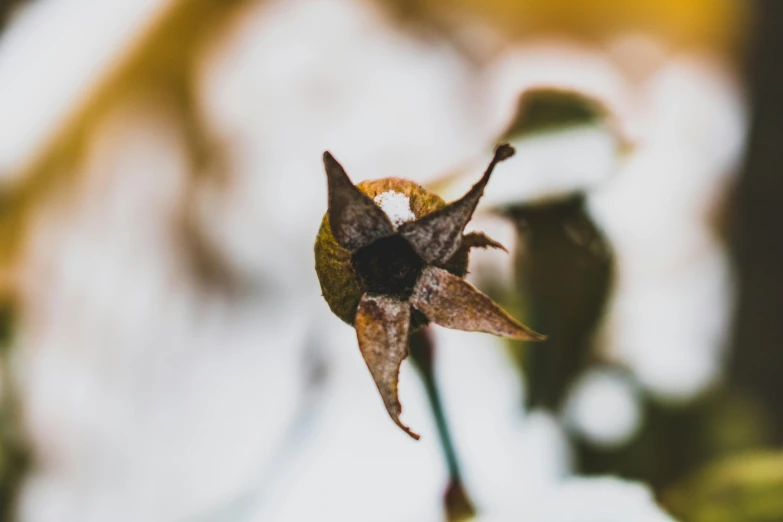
x=166, y=354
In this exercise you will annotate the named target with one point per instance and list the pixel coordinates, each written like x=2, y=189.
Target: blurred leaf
x=547, y=109
x=564, y=267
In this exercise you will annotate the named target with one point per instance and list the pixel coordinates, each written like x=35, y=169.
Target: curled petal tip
x=517, y=331
x=395, y=410
x=526, y=334
x=406, y=429
x=503, y=152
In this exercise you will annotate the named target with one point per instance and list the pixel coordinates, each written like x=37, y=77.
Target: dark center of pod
x=388, y=266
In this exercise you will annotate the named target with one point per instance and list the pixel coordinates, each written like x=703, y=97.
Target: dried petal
x=437, y=236
x=382, y=326
x=353, y=217
x=452, y=302
x=479, y=240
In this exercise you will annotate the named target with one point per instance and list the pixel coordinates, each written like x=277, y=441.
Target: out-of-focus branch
x=7, y=9
x=457, y=503
x=758, y=246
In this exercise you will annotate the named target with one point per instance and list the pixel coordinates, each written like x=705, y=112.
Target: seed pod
x=391, y=257
x=345, y=277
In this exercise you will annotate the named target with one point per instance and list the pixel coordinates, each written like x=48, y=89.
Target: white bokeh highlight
x=671, y=310
x=604, y=408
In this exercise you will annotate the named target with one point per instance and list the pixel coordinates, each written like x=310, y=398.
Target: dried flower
x=391, y=257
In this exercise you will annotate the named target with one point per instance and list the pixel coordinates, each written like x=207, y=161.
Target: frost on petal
x=450, y=301
x=382, y=326
x=396, y=205
x=437, y=236
x=353, y=217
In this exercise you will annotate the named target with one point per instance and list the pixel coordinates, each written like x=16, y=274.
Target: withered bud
x=391, y=257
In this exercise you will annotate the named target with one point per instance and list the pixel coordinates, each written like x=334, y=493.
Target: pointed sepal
x=354, y=218
x=437, y=236
x=450, y=301
x=382, y=327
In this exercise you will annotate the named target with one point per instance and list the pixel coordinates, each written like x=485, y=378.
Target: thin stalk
x=456, y=501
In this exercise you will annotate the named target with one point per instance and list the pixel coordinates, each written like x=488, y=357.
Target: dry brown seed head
x=345, y=276
x=391, y=256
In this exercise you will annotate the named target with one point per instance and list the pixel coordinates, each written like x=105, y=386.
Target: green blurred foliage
x=677, y=439
x=743, y=488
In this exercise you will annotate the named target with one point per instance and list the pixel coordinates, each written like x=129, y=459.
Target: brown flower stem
x=457, y=503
